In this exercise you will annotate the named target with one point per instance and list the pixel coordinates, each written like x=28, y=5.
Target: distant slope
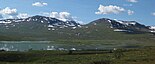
x=45, y=28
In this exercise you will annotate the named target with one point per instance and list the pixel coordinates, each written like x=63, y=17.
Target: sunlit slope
x=96, y=30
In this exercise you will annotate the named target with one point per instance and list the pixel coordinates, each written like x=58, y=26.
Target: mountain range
x=47, y=28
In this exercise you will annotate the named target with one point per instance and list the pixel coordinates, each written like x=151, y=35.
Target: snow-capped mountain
x=53, y=23
x=152, y=29
x=47, y=21
x=124, y=26
x=47, y=28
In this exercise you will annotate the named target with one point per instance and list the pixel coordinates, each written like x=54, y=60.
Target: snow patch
x=73, y=49
x=152, y=31
x=42, y=21
x=73, y=27
x=46, y=19
x=53, y=29
x=110, y=23
x=119, y=30
x=50, y=26
x=133, y=23
x=49, y=29
x=95, y=24
x=152, y=27
x=3, y=22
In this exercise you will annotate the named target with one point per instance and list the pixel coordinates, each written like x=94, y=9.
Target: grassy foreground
x=144, y=55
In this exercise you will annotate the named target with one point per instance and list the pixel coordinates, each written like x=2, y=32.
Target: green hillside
x=98, y=30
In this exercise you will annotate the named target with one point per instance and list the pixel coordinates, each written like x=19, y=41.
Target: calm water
x=47, y=45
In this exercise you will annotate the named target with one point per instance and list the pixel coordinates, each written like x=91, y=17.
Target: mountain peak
x=49, y=22
x=123, y=26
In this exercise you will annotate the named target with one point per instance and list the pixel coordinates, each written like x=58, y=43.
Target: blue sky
x=83, y=10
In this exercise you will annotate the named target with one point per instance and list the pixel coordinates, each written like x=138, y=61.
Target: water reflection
x=48, y=45
x=30, y=45
x=51, y=48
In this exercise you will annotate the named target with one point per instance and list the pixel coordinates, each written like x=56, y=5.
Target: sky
x=82, y=11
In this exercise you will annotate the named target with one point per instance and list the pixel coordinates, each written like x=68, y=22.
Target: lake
x=47, y=45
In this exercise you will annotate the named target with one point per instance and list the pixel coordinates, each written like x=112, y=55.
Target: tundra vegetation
x=145, y=55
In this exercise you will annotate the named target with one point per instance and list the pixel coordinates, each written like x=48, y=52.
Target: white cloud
x=130, y=12
x=23, y=15
x=8, y=11
x=109, y=9
x=54, y=15
x=133, y=1
x=65, y=16
x=153, y=14
x=39, y=4
x=80, y=22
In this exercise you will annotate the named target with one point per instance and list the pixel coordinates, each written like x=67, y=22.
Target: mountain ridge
x=47, y=28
